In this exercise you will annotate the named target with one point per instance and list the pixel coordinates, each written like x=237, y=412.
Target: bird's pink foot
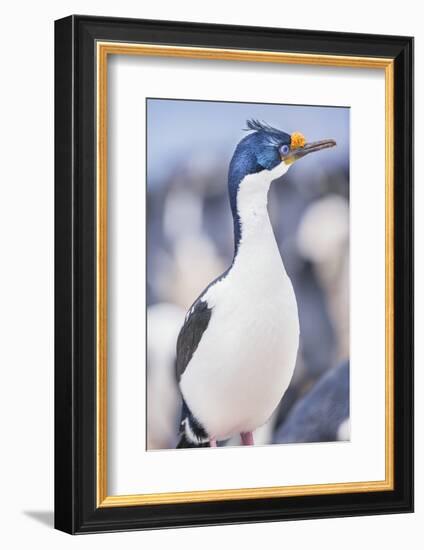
x=247, y=438
x=212, y=442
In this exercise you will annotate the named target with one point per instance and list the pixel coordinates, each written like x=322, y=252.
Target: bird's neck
x=252, y=227
x=248, y=199
x=257, y=263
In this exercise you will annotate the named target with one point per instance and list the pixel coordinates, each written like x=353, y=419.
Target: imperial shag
x=237, y=349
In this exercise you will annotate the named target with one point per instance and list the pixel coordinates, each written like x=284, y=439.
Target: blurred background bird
x=190, y=238
x=322, y=414
x=163, y=324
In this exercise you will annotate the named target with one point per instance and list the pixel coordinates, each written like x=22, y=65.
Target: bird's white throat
x=252, y=208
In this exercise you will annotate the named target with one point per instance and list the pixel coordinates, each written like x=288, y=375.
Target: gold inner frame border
x=103, y=50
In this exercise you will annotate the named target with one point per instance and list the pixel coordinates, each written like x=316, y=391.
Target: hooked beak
x=312, y=147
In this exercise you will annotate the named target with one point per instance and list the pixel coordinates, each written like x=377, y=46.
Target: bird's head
x=264, y=155
x=266, y=148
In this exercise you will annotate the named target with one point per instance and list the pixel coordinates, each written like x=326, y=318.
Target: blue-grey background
x=190, y=242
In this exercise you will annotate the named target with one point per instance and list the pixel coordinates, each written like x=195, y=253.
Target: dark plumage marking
x=191, y=333
x=192, y=433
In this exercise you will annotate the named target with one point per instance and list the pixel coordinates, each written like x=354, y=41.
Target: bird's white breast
x=246, y=357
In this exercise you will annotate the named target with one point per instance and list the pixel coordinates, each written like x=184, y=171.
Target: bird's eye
x=284, y=150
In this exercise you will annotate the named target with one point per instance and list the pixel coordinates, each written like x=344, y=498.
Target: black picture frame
x=76, y=510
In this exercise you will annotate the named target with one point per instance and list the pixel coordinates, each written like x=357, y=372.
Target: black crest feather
x=258, y=126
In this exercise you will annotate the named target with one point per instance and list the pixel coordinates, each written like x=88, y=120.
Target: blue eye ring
x=284, y=150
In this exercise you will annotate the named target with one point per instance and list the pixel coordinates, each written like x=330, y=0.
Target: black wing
x=191, y=333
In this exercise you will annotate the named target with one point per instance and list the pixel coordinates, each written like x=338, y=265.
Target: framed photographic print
x=234, y=269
